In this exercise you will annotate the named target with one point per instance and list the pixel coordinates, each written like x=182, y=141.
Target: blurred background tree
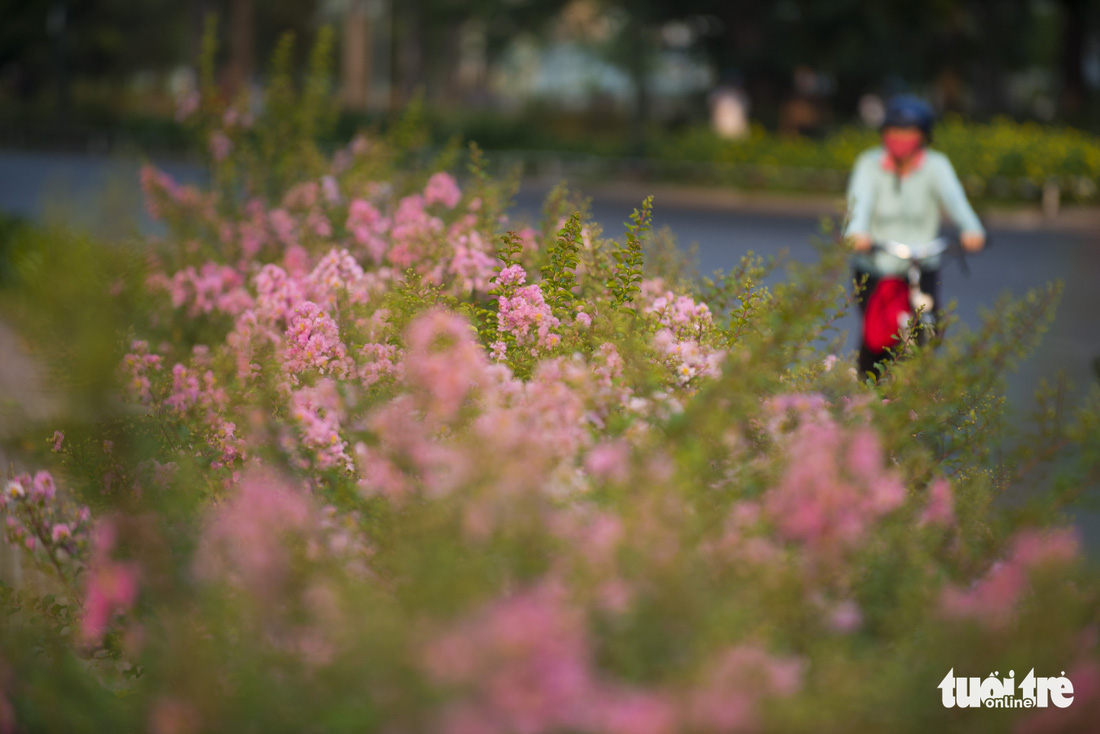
x=645, y=62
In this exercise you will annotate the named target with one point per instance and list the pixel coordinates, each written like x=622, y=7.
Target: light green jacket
x=905, y=209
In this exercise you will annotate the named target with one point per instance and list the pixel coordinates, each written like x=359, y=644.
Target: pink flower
x=442, y=189
x=528, y=317
x=727, y=698
x=471, y=265
x=524, y=661
x=992, y=598
x=336, y=273
x=111, y=586
x=277, y=294
x=187, y=104
x=220, y=146
x=512, y=275
x=317, y=411
x=443, y=363
x=940, y=509
x=331, y=189
x=368, y=227
x=60, y=532
x=137, y=365
x=301, y=196
x=58, y=438
x=636, y=712
x=248, y=540
x=826, y=506
x=609, y=461
x=43, y=488
x=296, y=260
x=845, y=617
x=212, y=287
x=189, y=390
x=284, y=226
x=414, y=232
x=313, y=342
x=1033, y=548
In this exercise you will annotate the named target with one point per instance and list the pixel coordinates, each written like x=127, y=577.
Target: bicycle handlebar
x=925, y=251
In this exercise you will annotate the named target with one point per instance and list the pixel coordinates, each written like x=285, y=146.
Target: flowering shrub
x=363, y=461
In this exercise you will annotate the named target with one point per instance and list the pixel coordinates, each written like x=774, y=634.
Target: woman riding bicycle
x=897, y=193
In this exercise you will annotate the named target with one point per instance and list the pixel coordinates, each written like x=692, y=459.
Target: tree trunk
x=1073, y=54
x=356, y=58
x=241, y=45
x=408, y=50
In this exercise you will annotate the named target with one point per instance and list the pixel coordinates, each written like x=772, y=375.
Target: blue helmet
x=905, y=110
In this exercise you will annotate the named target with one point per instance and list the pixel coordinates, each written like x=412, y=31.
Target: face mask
x=902, y=145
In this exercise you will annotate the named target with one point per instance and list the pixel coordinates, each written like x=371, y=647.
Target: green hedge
x=1001, y=159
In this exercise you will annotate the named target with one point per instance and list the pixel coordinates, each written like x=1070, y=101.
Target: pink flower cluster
x=940, y=508
x=257, y=542
x=163, y=193
x=413, y=234
x=277, y=294
x=245, y=540
x=679, y=313
x=444, y=365
x=251, y=231
x=337, y=275
x=681, y=322
x=318, y=411
x=111, y=585
x=687, y=357
x=36, y=518
x=785, y=413
x=442, y=189
x=378, y=362
x=137, y=365
x=284, y=226
x=369, y=228
x=524, y=664
x=211, y=287
x=229, y=446
x=313, y=343
x=305, y=199
x=834, y=490
x=993, y=598
x=220, y=146
x=190, y=390
x=471, y=266
x=528, y=317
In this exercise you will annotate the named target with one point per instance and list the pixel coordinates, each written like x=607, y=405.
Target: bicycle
x=896, y=303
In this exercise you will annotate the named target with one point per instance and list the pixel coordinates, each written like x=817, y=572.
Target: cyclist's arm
x=953, y=198
x=861, y=196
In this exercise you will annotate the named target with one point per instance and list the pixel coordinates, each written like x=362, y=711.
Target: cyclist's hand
x=972, y=241
x=860, y=242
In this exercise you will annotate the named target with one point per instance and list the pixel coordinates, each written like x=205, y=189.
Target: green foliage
x=559, y=274
x=629, y=261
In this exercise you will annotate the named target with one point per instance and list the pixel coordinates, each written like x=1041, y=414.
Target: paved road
x=98, y=192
